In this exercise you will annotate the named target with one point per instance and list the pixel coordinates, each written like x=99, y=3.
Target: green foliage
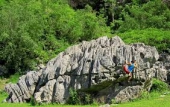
x=157, y=89
x=95, y=103
x=113, y=101
x=32, y=32
x=2, y=3
x=75, y=26
x=125, y=15
x=153, y=37
x=3, y=95
x=73, y=98
x=144, y=95
x=17, y=44
x=152, y=99
x=78, y=97
x=33, y=102
x=152, y=14
x=159, y=86
x=14, y=78
x=87, y=99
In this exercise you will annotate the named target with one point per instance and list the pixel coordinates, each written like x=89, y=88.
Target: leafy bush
x=156, y=90
x=32, y=101
x=87, y=99
x=73, y=98
x=78, y=97
x=159, y=86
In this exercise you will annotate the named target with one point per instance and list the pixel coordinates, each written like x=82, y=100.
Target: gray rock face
x=84, y=65
x=128, y=93
x=24, y=89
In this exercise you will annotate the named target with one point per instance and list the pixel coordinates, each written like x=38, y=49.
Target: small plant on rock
x=73, y=99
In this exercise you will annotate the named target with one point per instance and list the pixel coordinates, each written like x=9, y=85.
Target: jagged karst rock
x=45, y=93
x=84, y=65
x=24, y=89
x=128, y=93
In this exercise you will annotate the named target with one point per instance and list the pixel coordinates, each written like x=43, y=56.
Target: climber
x=128, y=68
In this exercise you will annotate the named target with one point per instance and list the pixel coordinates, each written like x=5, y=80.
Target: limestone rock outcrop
x=84, y=65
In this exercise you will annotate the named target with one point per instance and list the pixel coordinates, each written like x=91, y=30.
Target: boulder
x=84, y=65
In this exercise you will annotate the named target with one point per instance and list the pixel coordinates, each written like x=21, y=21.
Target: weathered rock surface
x=84, y=65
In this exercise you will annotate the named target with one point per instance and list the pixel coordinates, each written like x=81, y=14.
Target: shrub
x=32, y=101
x=87, y=98
x=74, y=98
x=158, y=86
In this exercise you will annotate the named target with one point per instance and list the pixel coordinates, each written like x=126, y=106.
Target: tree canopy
x=34, y=31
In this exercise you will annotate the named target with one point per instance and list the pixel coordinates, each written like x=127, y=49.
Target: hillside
x=34, y=33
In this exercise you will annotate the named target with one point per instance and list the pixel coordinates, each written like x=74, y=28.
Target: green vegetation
x=159, y=86
x=34, y=31
x=74, y=99
x=157, y=97
x=2, y=83
x=151, y=36
x=13, y=78
x=156, y=100
x=153, y=14
x=44, y=105
x=78, y=97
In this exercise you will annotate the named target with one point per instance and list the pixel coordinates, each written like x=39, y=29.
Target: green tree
x=32, y=32
x=152, y=14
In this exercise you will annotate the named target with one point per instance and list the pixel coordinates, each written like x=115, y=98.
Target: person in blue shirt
x=131, y=67
x=128, y=69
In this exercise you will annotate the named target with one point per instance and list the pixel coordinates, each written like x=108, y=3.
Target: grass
x=50, y=105
x=2, y=83
x=4, y=95
x=155, y=101
x=12, y=79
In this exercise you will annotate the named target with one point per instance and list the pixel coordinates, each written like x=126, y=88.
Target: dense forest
x=34, y=31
